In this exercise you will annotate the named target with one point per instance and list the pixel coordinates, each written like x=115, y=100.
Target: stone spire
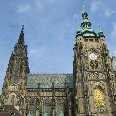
x=21, y=37
x=18, y=62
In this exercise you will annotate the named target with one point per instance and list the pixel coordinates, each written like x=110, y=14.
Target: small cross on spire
x=22, y=28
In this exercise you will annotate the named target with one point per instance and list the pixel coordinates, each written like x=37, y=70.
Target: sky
x=50, y=29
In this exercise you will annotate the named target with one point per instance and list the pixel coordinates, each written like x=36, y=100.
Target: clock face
x=92, y=56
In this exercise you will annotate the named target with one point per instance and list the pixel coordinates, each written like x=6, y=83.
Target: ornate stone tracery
x=91, y=84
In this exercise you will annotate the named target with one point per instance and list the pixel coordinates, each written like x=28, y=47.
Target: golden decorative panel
x=99, y=98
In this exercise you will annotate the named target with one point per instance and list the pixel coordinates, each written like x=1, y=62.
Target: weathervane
x=83, y=5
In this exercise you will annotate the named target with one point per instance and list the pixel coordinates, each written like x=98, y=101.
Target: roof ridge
x=50, y=74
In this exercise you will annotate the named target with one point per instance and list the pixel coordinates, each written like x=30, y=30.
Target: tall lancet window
x=32, y=107
x=60, y=109
x=32, y=110
x=47, y=108
x=13, y=100
x=16, y=65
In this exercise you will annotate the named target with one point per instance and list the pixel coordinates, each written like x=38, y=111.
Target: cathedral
x=89, y=91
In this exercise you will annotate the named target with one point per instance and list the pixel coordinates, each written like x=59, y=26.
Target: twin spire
x=85, y=28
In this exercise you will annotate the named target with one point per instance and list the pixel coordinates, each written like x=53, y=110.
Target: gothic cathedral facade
x=89, y=91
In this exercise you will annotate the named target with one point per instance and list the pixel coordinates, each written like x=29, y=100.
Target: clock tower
x=94, y=80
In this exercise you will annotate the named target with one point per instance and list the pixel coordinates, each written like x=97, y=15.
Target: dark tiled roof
x=9, y=110
x=46, y=80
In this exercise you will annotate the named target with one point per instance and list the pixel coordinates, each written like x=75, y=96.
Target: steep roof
x=46, y=80
x=9, y=110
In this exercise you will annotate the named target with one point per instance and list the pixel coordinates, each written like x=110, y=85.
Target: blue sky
x=50, y=27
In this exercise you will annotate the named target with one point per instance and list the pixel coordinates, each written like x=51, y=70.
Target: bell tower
x=93, y=73
x=14, y=87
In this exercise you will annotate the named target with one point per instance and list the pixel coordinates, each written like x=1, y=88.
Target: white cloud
x=36, y=52
x=39, y=5
x=109, y=12
x=51, y=1
x=24, y=8
x=113, y=33
x=95, y=5
x=75, y=17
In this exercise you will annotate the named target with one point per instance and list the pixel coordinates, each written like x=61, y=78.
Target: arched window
x=32, y=110
x=47, y=109
x=13, y=100
x=60, y=109
x=32, y=107
x=99, y=97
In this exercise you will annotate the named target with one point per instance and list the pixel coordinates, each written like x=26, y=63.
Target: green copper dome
x=79, y=32
x=85, y=28
x=101, y=34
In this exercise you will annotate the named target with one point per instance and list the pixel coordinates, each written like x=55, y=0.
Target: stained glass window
x=32, y=110
x=47, y=110
x=60, y=110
